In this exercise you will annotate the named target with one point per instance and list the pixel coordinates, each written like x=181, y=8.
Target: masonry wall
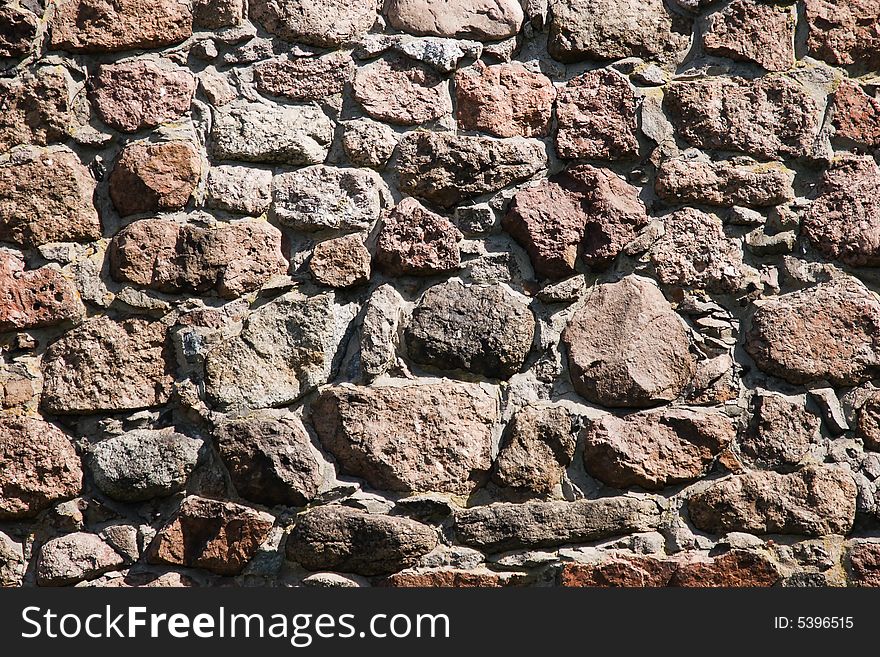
x=440, y=293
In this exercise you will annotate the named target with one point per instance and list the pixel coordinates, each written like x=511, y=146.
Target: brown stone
x=110, y=26
x=74, y=558
x=348, y=540
x=596, y=117
x=770, y=116
x=539, y=445
x=213, y=14
x=34, y=298
x=864, y=564
x=431, y=437
x=134, y=95
x=19, y=31
x=506, y=100
x=454, y=578
x=830, y=331
x=151, y=177
x=47, y=197
x=35, y=108
x=844, y=32
x=103, y=365
x=305, y=78
x=417, y=242
x=746, y=30
x=868, y=424
x=38, y=467
x=325, y=23
x=856, y=115
x=703, y=182
x=654, y=449
x=815, y=501
x=164, y=255
x=399, y=90
x=221, y=537
x=341, y=262
x=780, y=432
x=627, y=347
x=487, y=20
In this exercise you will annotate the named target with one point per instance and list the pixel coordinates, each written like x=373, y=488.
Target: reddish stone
x=341, y=262
x=305, y=78
x=416, y=241
x=34, y=298
x=35, y=108
x=214, y=14
x=746, y=30
x=868, y=425
x=151, y=177
x=844, y=32
x=19, y=31
x=74, y=558
x=705, y=182
x=856, y=115
x=403, y=91
x=864, y=564
x=454, y=578
x=325, y=23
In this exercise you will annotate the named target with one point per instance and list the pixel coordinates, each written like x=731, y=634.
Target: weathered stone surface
x=596, y=117
x=844, y=32
x=614, y=29
x=368, y=143
x=582, y=210
x=501, y=527
x=417, y=242
x=736, y=568
x=378, y=336
x=814, y=501
x=627, y=347
x=134, y=95
x=399, y=90
x=351, y=541
x=239, y=189
x=105, y=26
x=830, y=331
x=164, y=255
x=723, y=183
x=482, y=329
x=35, y=108
x=694, y=252
x=73, y=558
x=12, y=562
x=341, y=262
x=454, y=578
x=780, y=432
x=263, y=132
x=151, y=177
x=864, y=563
x=285, y=349
x=213, y=14
x=221, y=537
x=768, y=117
x=538, y=447
x=19, y=31
x=843, y=222
x=142, y=464
x=856, y=115
x=36, y=297
x=103, y=365
x=445, y=169
x=38, y=467
x=506, y=100
x=654, y=449
x=269, y=459
x=868, y=424
x=305, y=78
x=429, y=437
x=325, y=23
x=746, y=30
x=487, y=20
x=322, y=197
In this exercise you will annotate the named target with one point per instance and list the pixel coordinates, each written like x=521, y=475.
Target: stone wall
x=312, y=292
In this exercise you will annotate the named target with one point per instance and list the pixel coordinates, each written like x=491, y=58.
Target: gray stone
x=378, y=337
x=73, y=558
x=246, y=190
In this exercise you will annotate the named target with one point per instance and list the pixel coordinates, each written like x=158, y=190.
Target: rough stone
x=351, y=541
x=502, y=526
x=94, y=26
x=417, y=242
x=506, y=100
x=214, y=14
x=856, y=115
x=402, y=91
x=305, y=78
x=143, y=464
x=103, y=365
x=746, y=30
x=12, y=562
x=19, y=31
x=262, y=132
x=487, y=20
x=814, y=501
x=454, y=578
x=596, y=117
x=864, y=563
x=427, y=437
x=378, y=337
x=724, y=184
x=654, y=449
x=830, y=331
x=239, y=189
x=34, y=298
x=35, y=108
x=270, y=459
x=780, y=432
x=73, y=558
x=164, y=255
x=221, y=537
x=134, y=95
x=482, y=329
x=325, y=23
x=153, y=177
x=368, y=143
x=341, y=262
x=868, y=424
x=38, y=467
x=844, y=32
x=627, y=347
x=445, y=169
